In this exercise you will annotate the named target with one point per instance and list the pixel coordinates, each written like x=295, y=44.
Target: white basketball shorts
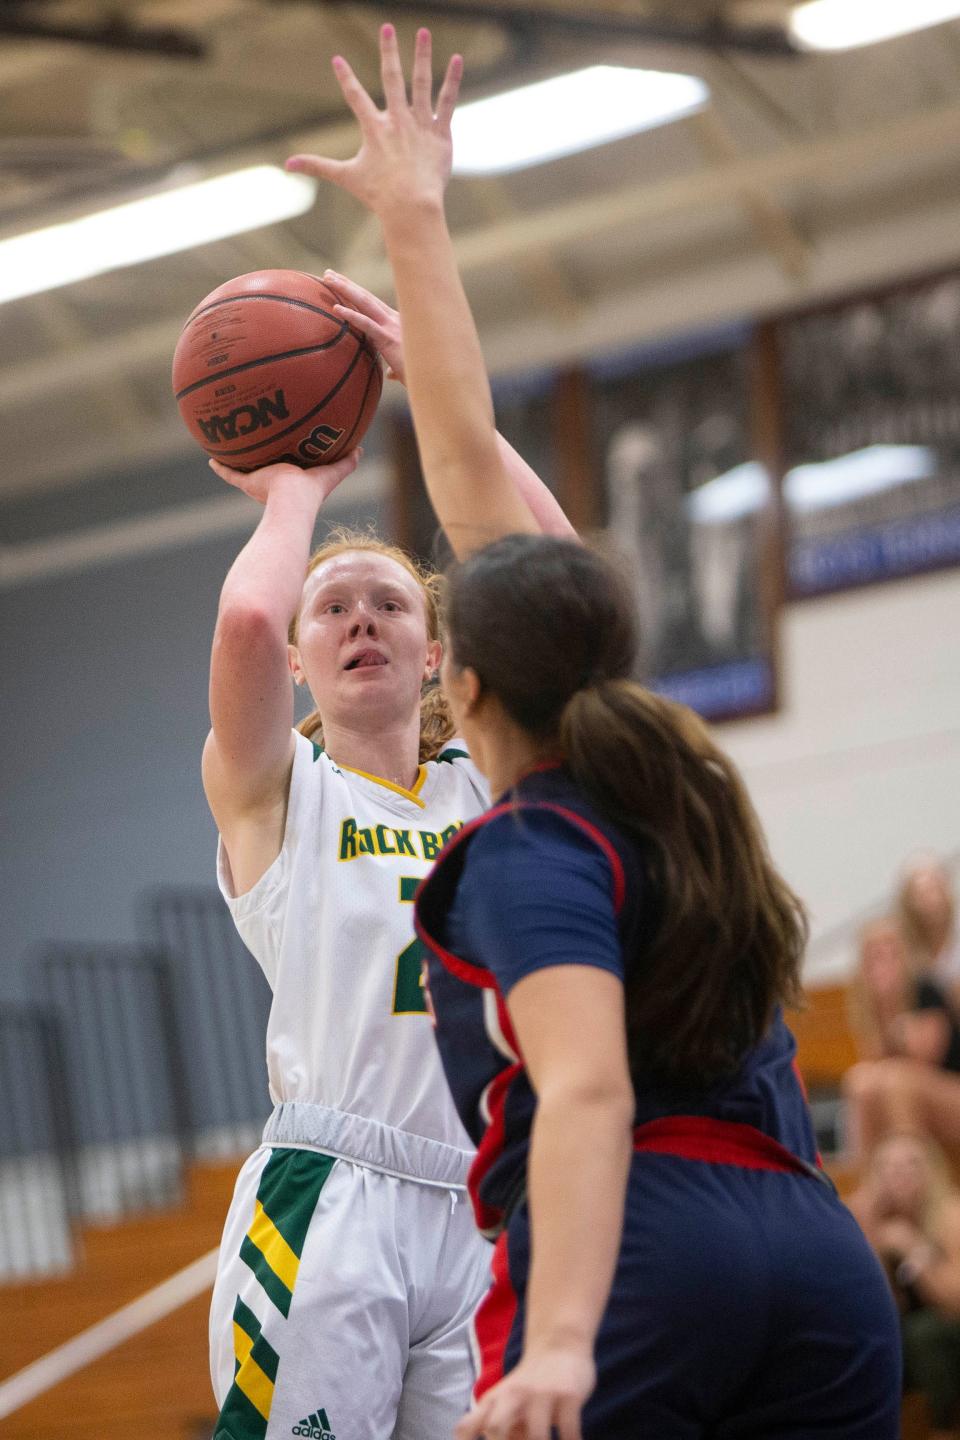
x=343, y=1302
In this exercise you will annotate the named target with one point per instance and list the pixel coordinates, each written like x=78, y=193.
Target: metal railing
x=125, y=1097
x=132, y=1059
x=37, y=1193
x=221, y=1001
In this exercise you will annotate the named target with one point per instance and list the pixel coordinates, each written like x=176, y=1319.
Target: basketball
x=264, y=371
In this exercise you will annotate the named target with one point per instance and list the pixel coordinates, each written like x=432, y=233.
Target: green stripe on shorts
x=288, y=1192
x=289, y=1188
x=262, y=1351
x=239, y=1420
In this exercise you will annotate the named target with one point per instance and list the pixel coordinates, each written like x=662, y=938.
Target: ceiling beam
x=596, y=22
x=549, y=280
x=110, y=33
x=577, y=220
x=502, y=241
x=770, y=219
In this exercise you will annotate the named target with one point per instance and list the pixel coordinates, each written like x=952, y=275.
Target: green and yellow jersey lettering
x=386, y=840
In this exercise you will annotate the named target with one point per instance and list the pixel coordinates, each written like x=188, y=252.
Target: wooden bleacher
x=155, y=1385
x=826, y=1045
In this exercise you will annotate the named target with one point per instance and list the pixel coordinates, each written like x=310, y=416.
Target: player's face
x=363, y=647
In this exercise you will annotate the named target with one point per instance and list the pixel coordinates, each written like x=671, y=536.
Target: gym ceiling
x=806, y=176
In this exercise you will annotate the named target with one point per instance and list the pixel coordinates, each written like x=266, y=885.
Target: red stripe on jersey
x=719, y=1142
x=494, y=1320
x=598, y=838
x=506, y=1026
x=476, y=974
x=463, y=969
x=490, y=1147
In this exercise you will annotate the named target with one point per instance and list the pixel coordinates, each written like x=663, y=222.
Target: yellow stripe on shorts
x=282, y=1260
x=254, y=1382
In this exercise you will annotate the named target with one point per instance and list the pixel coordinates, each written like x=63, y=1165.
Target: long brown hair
x=548, y=627
x=436, y=722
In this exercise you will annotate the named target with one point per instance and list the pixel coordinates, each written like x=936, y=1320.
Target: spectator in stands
x=909, y=1210
x=909, y=1079
x=928, y=913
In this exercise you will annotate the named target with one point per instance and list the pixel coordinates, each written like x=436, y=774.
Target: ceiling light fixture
x=145, y=229
x=844, y=24
x=568, y=113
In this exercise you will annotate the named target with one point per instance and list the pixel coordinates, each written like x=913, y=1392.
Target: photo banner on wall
x=872, y=438
x=685, y=502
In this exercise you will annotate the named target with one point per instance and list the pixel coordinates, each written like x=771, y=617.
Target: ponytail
x=727, y=934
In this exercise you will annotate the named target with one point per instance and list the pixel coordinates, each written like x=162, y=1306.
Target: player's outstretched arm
x=381, y=324
x=570, y=1024
x=247, y=757
x=400, y=173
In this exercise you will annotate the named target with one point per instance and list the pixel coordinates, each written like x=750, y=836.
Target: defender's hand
x=406, y=150
x=373, y=318
x=542, y=1397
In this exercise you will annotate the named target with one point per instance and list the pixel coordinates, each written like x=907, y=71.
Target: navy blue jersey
x=543, y=880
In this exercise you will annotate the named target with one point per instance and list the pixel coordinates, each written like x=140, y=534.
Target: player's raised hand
x=320, y=480
x=541, y=1398
x=373, y=317
x=406, y=150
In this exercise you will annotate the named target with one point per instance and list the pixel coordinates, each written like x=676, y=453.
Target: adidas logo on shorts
x=315, y=1427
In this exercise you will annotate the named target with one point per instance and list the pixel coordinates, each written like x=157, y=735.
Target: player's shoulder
x=454, y=768
x=524, y=828
x=454, y=753
x=310, y=761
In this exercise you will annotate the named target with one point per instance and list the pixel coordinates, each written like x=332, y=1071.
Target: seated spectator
x=909, y=1079
x=909, y=1210
x=928, y=913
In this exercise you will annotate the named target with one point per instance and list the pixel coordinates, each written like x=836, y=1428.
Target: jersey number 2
x=408, y=997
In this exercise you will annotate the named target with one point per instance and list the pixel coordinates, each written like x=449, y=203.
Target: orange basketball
x=264, y=371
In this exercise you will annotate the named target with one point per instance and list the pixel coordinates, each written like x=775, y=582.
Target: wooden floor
x=155, y=1386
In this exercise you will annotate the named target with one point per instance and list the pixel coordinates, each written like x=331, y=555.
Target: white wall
x=862, y=765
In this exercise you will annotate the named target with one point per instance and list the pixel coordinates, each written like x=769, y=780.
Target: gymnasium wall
x=861, y=766
x=102, y=734
x=105, y=720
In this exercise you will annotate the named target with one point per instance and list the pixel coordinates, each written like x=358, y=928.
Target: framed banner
x=871, y=438
x=687, y=509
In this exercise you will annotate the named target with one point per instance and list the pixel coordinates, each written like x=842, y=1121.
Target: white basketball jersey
x=331, y=925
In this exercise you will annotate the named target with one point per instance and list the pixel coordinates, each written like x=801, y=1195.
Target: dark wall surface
x=103, y=709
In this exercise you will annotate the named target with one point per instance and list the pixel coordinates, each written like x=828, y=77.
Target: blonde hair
x=916, y=926
x=436, y=722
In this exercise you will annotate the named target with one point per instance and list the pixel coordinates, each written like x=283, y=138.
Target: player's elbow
x=247, y=625
x=602, y=1096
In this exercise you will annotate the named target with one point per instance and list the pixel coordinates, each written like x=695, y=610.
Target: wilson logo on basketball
x=321, y=439
x=245, y=419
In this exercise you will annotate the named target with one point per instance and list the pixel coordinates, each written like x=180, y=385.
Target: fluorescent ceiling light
x=857, y=475
x=729, y=497
x=806, y=488
x=568, y=113
x=843, y=24
x=145, y=229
